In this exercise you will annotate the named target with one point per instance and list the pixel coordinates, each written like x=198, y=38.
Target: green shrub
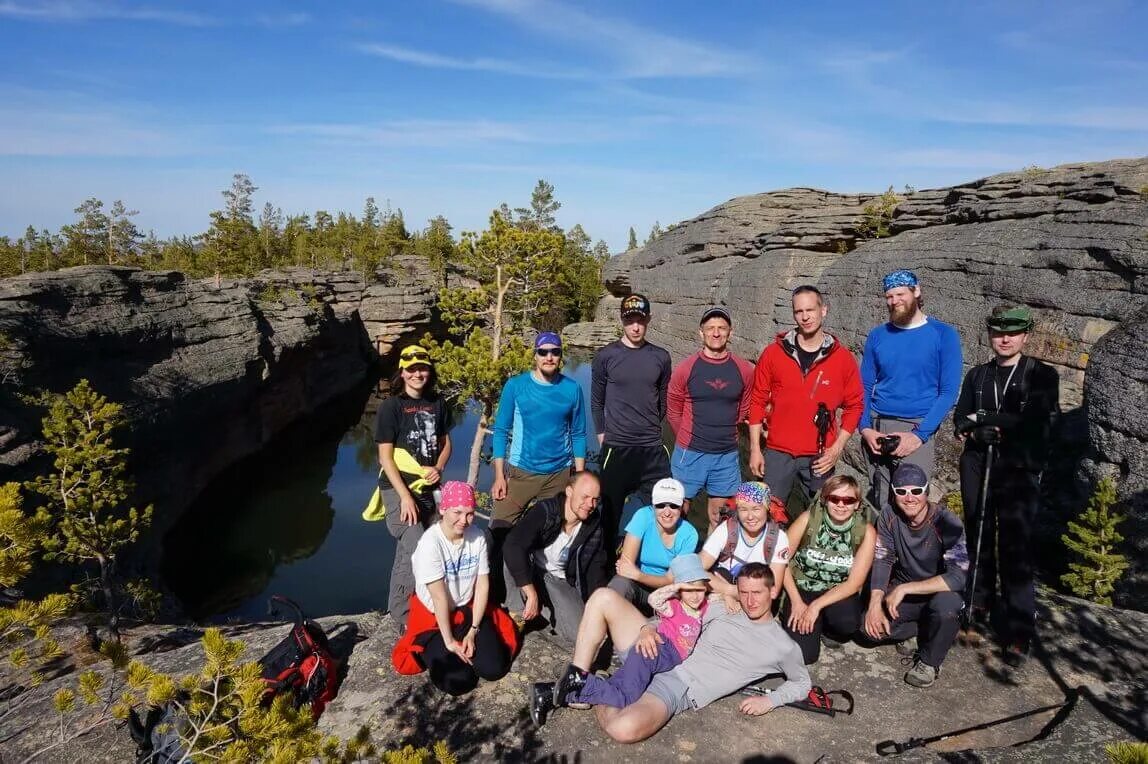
x=1127, y=753
x=1094, y=539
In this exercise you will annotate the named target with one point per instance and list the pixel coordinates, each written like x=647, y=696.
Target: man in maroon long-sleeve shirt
x=708, y=396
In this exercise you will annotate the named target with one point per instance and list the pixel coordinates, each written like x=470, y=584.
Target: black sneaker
x=572, y=680
x=541, y=701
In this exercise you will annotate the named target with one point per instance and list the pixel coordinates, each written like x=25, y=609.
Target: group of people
x=763, y=591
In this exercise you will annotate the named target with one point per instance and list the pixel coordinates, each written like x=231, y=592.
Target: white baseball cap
x=668, y=491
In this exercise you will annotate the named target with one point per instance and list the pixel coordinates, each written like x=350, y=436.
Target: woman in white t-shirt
x=723, y=556
x=453, y=630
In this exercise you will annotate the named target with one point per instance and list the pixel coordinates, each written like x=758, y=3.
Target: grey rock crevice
x=208, y=373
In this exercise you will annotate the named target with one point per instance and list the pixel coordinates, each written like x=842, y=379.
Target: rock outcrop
x=1116, y=399
x=208, y=373
x=1099, y=652
x=1071, y=242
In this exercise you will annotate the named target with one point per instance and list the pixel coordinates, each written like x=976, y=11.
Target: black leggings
x=453, y=675
x=841, y=619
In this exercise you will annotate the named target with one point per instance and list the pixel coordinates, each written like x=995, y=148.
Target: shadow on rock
x=424, y=716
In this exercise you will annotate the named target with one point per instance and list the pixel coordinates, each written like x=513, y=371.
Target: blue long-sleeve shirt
x=911, y=373
x=540, y=427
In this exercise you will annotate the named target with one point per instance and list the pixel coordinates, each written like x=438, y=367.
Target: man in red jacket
x=801, y=380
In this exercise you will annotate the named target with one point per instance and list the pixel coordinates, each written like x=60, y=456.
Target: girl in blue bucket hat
x=680, y=607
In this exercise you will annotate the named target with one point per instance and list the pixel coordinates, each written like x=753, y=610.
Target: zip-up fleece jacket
x=537, y=529
x=786, y=400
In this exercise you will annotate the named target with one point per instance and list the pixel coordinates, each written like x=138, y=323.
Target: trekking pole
x=982, y=507
x=888, y=747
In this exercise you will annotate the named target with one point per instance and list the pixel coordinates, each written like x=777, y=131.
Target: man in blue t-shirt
x=540, y=429
x=911, y=373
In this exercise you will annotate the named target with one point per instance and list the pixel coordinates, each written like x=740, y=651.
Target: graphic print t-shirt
x=414, y=425
x=458, y=564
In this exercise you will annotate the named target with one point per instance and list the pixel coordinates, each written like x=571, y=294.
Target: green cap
x=1010, y=319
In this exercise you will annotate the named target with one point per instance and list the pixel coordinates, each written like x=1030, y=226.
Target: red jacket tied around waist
x=405, y=658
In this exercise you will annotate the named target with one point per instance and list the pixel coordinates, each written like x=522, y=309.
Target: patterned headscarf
x=456, y=494
x=754, y=493
x=900, y=278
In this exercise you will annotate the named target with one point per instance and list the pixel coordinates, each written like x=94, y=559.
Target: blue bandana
x=899, y=279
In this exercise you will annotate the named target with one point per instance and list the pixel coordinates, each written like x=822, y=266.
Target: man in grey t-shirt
x=734, y=649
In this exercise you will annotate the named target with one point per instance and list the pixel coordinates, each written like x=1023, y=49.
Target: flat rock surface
x=1099, y=650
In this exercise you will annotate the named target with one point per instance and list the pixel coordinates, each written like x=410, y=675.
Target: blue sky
x=635, y=111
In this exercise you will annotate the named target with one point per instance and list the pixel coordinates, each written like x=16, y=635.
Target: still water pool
x=287, y=521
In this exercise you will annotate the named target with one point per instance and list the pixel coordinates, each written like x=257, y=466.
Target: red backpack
x=301, y=663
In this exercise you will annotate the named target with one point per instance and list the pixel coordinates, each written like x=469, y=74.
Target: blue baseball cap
x=547, y=338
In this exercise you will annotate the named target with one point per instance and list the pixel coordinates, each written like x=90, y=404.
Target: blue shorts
x=719, y=474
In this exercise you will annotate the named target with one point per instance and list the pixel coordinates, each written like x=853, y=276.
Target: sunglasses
x=665, y=504
x=543, y=352
x=415, y=355
x=838, y=499
x=911, y=490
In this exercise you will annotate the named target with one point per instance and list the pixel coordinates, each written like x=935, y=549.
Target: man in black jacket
x=555, y=555
x=1008, y=403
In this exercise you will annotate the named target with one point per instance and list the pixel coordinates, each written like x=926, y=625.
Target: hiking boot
x=921, y=675
x=571, y=682
x=1016, y=654
x=541, y=701
x=907, y=648
x=974, y=632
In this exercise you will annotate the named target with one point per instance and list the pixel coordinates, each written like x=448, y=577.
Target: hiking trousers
x=934, y=619
x=881, y=467
x=453, y=675
x=1006, y=540
x=627, y=470
x=782, y=470
x=554, y=593
x=402, y=584
x=841, y=620
x=626, y=685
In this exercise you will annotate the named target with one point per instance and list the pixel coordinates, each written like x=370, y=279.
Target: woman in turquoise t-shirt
x=655, y=535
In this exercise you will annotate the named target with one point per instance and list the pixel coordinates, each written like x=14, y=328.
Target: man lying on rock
x=734, y=650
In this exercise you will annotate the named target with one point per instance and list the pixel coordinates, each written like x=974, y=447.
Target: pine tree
x=231, y=244
x=88, y=490
x=633, y=242
x=86, y=240
x=1094, y=538
x=540, y=216
x=123, y=236
x=655, y=232
x=26, y=642
x=516, y=269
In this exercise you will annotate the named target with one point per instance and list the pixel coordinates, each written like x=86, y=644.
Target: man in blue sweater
x=540, y=429
x=911, y=374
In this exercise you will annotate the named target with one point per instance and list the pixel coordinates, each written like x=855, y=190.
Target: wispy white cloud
x=637, y=51
x=1119, y=118
x=74, y=11
x=479, y=64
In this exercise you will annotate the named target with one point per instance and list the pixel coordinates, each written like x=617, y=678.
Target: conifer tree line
x=239, y=242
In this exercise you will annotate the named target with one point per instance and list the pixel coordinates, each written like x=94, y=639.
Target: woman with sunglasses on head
x=412, y=428
x=823, y=582
x=655, y=536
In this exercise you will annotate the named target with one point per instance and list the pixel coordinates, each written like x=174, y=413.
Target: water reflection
x=288, y=521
